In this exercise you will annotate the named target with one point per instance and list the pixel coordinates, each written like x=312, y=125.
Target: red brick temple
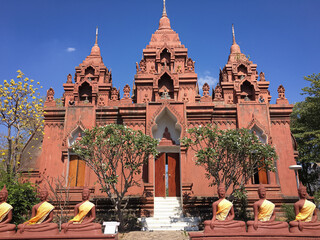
x=163, y=103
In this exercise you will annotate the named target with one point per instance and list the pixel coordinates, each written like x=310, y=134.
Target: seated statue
x=223, y=215
x=85, y=213
x=306, y=215
x=264, y=217
x=6, y=229
x=41, y=217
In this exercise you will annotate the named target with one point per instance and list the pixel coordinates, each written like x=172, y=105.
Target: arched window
x=165, y=85
x=89, y=70
x=242, y=70
x=85, y=92
x=247, y=91
x=165, y=58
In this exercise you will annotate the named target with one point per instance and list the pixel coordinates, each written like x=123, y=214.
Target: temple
x=164, y=102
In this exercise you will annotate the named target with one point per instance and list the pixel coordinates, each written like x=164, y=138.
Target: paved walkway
x=157, y=235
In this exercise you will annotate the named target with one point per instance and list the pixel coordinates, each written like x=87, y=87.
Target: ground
x=172, y=235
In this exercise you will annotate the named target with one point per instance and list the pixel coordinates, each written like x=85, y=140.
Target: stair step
x=168, y=216
x=181, y=223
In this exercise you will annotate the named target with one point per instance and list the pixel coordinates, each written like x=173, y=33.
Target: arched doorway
x=167, y=164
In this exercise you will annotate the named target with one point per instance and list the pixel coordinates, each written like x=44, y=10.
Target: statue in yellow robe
x=85, y=214
x=5, y=214
x=264, y=216
x=306, y=214
x=41, y=217
x=222, y=216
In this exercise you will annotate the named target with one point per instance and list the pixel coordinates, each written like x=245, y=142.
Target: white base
x=110, y=227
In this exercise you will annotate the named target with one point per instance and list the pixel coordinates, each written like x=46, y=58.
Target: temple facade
x=163, y=103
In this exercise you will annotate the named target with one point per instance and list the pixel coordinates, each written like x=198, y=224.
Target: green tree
x=116, y=154
x=305, y=127
x=21, y=115
x=230, y=157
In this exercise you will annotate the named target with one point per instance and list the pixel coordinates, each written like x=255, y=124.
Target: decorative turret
x=165, y=73
x=238, y=79
x=93, y=81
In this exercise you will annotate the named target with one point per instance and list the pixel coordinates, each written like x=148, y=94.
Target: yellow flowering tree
x=21, y=111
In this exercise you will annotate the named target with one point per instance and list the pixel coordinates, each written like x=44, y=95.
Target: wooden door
x=160, y=172
x=263, y=176
x=77, y=169
x=173, y=174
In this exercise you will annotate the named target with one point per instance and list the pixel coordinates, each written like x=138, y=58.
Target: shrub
x=289, y=212
x=21, y=195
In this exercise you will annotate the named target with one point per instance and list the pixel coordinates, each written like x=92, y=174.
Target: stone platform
x=242, y=236
x=63, y=236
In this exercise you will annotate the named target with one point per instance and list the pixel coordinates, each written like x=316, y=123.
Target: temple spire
x=235, y=48
x=164, y=22
x=164, y=12
x=233, y=36
x=95, y=50
x=96, y=43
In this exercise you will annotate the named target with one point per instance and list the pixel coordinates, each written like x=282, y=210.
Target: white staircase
x=168, y=216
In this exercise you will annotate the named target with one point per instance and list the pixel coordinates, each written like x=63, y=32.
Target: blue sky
x=282, y=37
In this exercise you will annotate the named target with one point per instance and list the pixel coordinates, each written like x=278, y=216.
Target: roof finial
x=233, y=36
x=164, y=12
x=96, y=43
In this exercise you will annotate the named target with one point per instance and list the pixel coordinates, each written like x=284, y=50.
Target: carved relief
x=114, y=94
x=146, y=98
x=185, y=97
x=281, y=91
x=71, y=101
x=261, y=99
x=206, y=89
x=179, y=69
x=280, y=122
x=262, y=77
x=50, y=95
x=206, y=97
x=190, y=65
x=101, y=101
x=218, y=93
x=143, y=66
x=152, y=69
x=126, y=91
x=54, y=125
x=225, y=123
x=69, y=78
x=224, y=76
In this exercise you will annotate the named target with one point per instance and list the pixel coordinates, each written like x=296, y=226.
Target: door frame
x=168, y=149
